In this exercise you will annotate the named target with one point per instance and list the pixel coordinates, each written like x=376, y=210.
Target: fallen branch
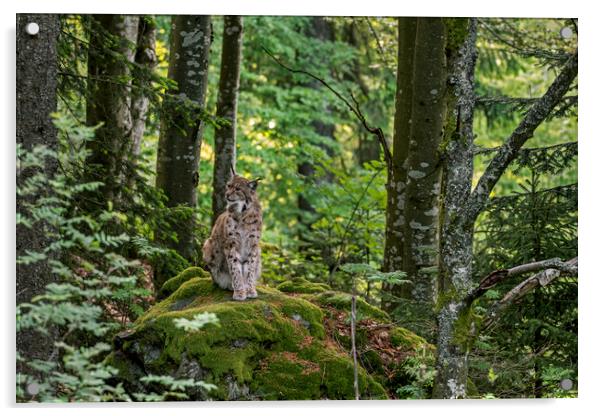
x=541, y=279
x=499, y=275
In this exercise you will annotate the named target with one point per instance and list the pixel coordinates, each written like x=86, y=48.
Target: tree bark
x=227, y=102
x=422, y=186
x=396, y=182
x=455, y=241
x=412, y=209
x=111, y=52
x=36, y=70
x=146, y=59
x=460, y=207
x=182, y=121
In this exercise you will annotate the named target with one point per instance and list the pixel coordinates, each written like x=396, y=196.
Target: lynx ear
x=232, y=169
x=253, y=184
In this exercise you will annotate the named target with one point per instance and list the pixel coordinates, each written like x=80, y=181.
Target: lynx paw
x=239, y=295
x=251, y=293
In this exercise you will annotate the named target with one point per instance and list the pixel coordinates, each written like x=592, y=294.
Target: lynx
x=232, y=251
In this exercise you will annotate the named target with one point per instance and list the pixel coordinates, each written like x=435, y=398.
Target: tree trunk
x=36, y=70
x=111, y=52
x=146, y=59
x=455, y=241
x=322, y=30
x=424, y=174
x=460, y=207
x=182, y=121
x=227, y=102
x=396, y=182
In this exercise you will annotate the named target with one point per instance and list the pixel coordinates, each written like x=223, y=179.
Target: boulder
x=292, y=344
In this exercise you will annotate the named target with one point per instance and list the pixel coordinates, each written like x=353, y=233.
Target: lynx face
x=239, y=194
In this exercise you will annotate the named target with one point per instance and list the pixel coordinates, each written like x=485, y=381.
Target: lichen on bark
x=455, y=241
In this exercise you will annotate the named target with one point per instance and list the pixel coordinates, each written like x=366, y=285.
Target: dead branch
x=498, y=276
x=549, y=273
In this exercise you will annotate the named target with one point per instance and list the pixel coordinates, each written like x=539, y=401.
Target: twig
x=353, y=349
x=380, y=47
x=348, y=225
x=376, y=131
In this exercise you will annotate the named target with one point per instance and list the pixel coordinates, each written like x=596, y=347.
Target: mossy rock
x=174, y=283
x=301, y=285
x=275, y=347
x=342, y=301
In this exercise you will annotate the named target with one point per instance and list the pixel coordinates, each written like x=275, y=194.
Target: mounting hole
x=566, y=33
x=32, y=28
x=33, y=388
x=566, y=384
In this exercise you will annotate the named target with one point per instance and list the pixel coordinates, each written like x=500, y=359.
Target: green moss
x=401, y=337
x=444, y=298
x=342, y=301
x=463, y=334
x=222, y=360
x=339, y=383
x=301, y=285
x=174, y=283
x=457, y=30
x=272, y=347
x=286, y=376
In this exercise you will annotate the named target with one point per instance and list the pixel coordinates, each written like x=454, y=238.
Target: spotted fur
x=232, y=251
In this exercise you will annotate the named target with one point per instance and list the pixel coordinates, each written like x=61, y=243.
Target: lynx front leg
x=252, y=274
x=235, y=269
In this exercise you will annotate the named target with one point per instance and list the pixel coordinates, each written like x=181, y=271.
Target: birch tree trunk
x=36, y=70
x=227, y=102
x=111, y=52
x=182, y=120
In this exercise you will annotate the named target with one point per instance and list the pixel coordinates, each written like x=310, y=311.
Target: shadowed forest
x=418, y=188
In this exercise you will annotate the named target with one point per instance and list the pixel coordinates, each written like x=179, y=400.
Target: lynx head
x=240, y=193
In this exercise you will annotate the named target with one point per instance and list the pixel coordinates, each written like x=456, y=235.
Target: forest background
x=278, y=213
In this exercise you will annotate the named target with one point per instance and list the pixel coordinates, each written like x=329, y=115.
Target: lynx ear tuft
x=232, y=169
x=253, y=184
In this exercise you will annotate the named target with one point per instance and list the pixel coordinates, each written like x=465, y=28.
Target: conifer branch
x=510, y=149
